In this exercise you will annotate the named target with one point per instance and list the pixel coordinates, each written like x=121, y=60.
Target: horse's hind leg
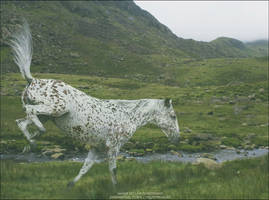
x=89, y=161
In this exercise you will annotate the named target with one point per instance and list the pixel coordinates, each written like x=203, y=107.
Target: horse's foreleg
x=89, y=161
x=112, y=156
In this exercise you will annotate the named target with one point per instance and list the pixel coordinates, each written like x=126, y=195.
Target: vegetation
x=216, y=104
x=241, y=179
x=115, y=50
x=107, y=38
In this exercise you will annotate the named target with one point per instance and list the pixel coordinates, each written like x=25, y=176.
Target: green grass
x=241, y=179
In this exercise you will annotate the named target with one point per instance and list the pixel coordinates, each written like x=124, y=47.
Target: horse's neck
x=144, y=112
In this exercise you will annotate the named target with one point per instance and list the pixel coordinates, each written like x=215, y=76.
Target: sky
x=208, y=20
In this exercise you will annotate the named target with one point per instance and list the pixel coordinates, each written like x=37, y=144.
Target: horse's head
x=166, y=119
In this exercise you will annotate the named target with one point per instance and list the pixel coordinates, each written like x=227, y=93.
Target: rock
x=208, y=163
x=57, y=156
x=51, y=151
x=230, y=148
x=244, y=124
x=248, y=147
x=3, y=142
x=223, y=146
x=121, y=158
x=176, y=153
x=252, y=96
x=74, y=55
x=261, y=90
x=238, y=151
x=208, y=155
x=187, y=130
x=58, y=150
x=130, y=159
x=149, y=150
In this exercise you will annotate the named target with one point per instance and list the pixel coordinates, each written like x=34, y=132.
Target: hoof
x=33, y=145
x=26, y=149
x=71, y=184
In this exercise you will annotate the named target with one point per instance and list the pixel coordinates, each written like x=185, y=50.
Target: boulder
x=74, y=54
x=230, y=148
x=121, y=158
x=57, y=156
x=208, y=155
x=222, y=146
x=187, y=130
x=51, y=151
x=261, y=90
x=176, y=153
x=208, y=163
x=149, y=150
x=130, y=159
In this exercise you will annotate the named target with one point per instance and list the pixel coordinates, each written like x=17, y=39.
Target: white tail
x=21, y=44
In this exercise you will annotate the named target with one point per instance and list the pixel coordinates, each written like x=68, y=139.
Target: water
x=220, y=156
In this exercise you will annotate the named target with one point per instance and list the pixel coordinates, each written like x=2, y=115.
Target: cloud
x=207, y=20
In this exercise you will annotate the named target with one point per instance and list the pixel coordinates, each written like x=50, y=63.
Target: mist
x=208, y=20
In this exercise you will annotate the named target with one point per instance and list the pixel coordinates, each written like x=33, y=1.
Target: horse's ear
x=167, y=103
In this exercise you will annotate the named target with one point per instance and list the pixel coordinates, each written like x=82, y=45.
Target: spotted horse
x=103, y=124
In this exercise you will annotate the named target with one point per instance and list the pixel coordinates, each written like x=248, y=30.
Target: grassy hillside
x=104, y=38
x=260, y=46
x=217, y=101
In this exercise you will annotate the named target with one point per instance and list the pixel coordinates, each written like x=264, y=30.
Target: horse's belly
x=79, y=129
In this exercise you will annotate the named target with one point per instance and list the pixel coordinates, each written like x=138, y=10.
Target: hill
x=105, y=38
x=260, y=46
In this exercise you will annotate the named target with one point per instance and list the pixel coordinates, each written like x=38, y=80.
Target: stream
x=220, y=156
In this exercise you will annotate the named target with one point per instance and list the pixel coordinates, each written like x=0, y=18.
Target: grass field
x=216, y=104
x=217, y=101
x=241, y=179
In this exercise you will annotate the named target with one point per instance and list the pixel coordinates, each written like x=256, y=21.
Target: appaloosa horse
x=104, y=124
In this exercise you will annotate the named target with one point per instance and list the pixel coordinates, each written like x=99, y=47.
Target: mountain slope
x=104, y=38
x=259, y=46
